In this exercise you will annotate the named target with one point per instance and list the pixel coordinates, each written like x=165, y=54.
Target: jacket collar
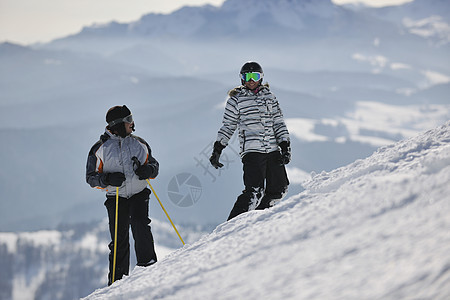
x=109, y=135
x=254, y=92
x=243, y=90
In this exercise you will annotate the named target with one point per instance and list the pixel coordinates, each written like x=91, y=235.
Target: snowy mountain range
x=348, y=81
x=256, y=19
x=374, y=229
x=309, y=35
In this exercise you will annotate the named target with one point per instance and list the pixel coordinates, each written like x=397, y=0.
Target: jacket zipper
x=243, y=142
x=123, y=166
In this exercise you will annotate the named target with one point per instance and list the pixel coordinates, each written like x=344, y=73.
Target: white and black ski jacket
x=257, y=117
x=113, y=153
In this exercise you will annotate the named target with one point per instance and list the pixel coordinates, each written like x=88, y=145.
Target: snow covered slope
x=375, y=229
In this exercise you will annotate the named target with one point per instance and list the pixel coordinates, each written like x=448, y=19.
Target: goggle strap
x=128, y=119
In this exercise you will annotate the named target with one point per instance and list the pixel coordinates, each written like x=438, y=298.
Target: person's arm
x=95, y=176
x=150, y=168
x=94, y=168
x=229, y=122
x=279, y=126
x=153, y=164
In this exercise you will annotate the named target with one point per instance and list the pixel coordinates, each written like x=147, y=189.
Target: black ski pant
x=134, y=212
x=265, y=182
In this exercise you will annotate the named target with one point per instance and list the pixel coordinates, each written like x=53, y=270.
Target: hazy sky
x=30, y=21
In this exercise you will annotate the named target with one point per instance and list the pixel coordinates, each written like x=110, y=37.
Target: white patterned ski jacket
x=257, y=117
x=113, y=153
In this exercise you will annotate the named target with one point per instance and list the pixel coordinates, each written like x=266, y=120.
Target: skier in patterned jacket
x=253, y=110
x=120, y=159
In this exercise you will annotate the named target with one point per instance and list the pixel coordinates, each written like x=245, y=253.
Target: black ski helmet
x=114, y=116
x=251, y=66
x=248, y=67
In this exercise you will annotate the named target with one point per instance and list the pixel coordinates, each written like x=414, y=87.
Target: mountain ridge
x=244, y=18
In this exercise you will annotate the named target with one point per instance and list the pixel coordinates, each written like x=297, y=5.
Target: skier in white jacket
x=254, y=111
x=123, y=161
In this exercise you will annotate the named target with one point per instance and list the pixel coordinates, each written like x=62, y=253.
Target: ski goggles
x=255, y=76
x=127, y=119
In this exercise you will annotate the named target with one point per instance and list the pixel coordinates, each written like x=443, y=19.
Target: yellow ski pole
x=115, y=235
x=148, y=181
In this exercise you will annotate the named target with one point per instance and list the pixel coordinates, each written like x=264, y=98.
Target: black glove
x=114, y=179
x=285, y=152
x=143, y=171
x=214, y=159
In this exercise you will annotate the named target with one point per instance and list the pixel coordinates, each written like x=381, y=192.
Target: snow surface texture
x=375, y=229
